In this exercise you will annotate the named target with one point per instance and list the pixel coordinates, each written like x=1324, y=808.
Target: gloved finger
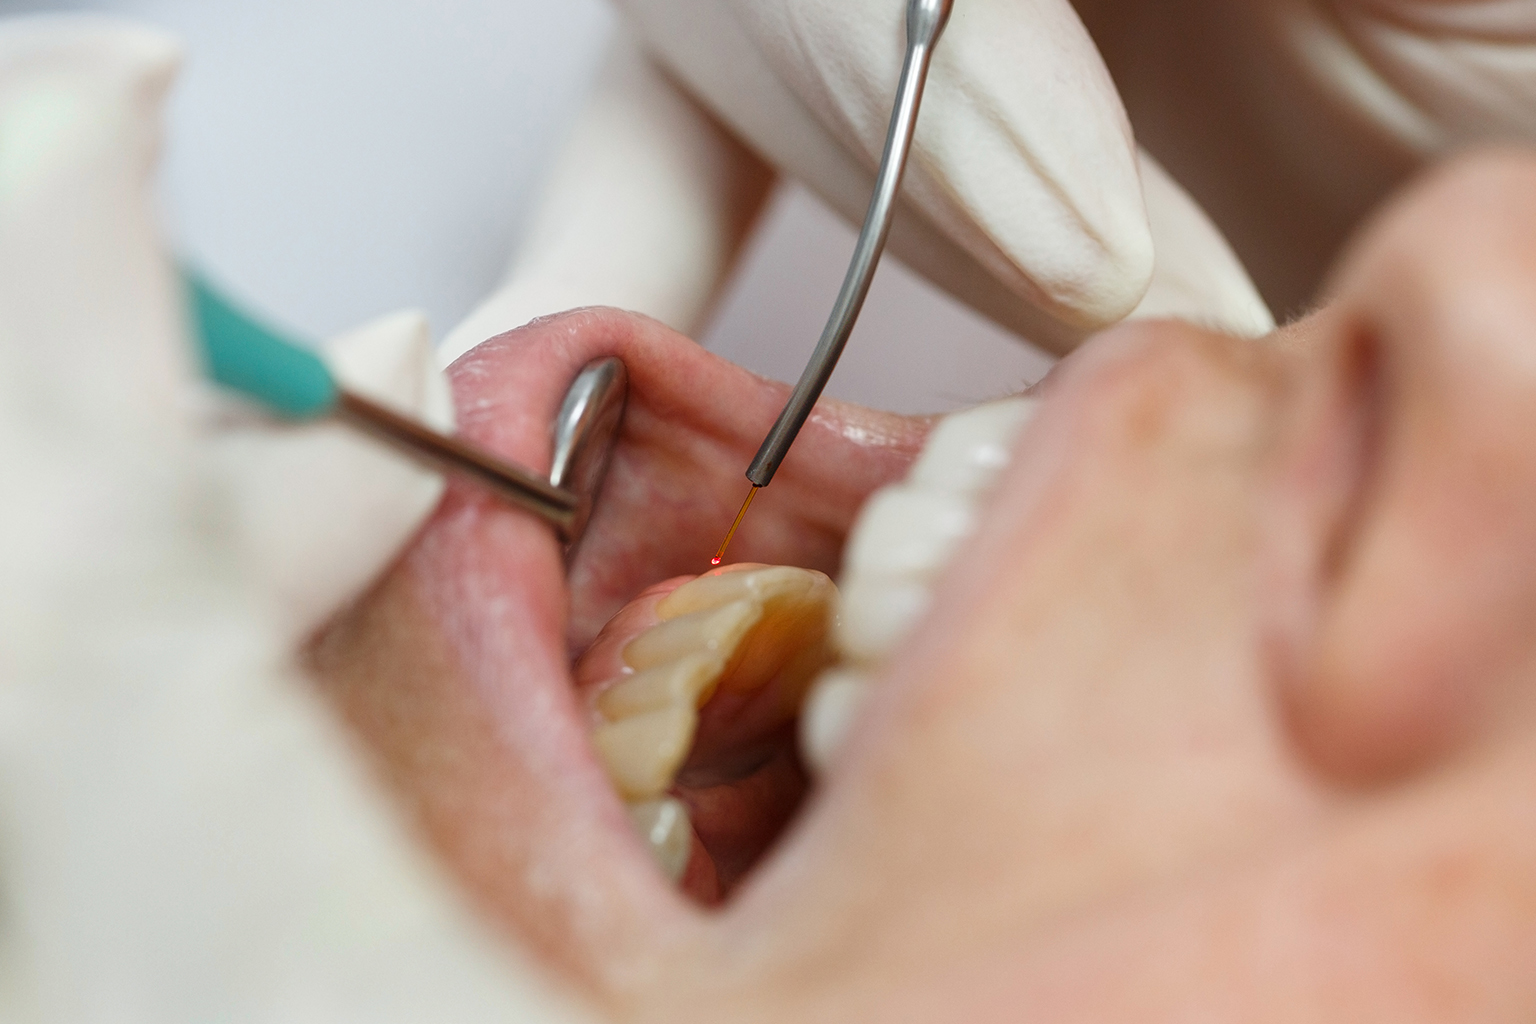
x=321, y=509
x=174, y=806
x=318, y=512
x=1291, y=120
x=1023, y=194
x=645, y=208
x=1437, y=74
x=1197, y=276
x=1024, y=156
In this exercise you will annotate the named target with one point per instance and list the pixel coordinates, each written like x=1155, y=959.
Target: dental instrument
x=294, y=383
x=925, y=23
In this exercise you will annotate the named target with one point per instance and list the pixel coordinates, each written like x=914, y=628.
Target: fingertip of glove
x=392, y=360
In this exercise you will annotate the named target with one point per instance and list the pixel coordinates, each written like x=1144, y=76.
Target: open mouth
x=534, y=735
x=604, y=753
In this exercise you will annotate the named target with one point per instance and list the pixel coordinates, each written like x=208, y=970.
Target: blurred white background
x=337, y=159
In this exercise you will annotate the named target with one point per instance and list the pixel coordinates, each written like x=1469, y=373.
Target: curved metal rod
x=925, y=22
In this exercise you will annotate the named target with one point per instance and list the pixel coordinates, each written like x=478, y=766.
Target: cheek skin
x=487, y=756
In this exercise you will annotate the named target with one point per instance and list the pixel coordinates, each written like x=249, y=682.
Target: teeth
x=908, y=533
x=773, y=584
x=717, y=629
x=664, y=826
x=828, y=713
x=877, y=611
x=747, y=627
x=967, y=451
x=688, y=682
x=644, y=752
x=743, y=629
x=905, y=536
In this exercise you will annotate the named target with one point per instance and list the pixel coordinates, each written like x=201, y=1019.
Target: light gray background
x=337, y=159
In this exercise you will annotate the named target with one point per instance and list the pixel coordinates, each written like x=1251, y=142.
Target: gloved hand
x=1289, y=120
x=1026, y=197
x=184, y=834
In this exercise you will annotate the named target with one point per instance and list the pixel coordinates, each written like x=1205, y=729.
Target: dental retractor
x=292, y=382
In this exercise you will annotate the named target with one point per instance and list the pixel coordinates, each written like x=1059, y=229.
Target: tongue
x=456, y=670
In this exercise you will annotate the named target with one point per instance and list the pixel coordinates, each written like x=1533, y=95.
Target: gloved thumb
x=321, y=510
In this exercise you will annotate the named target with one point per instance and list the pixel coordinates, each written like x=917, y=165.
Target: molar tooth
x=829, y=711
x=715, y=589
x=687, y=682
x=664, y=826
x=718, y=629
x=967, y=450
x=908, y=533
x=643, y=753
x=877, y=611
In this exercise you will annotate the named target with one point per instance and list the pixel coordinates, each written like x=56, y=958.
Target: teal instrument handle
x=241, y=353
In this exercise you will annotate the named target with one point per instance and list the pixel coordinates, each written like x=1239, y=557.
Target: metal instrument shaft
x=925, y=22
x=554, y=504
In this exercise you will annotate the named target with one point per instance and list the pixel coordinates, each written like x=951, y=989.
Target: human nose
x=1428, y=638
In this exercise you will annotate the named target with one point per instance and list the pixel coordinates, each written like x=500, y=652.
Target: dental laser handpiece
x=925, y=23
x=294, y=383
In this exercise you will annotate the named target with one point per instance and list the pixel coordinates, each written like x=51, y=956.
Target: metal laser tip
x=925, y=22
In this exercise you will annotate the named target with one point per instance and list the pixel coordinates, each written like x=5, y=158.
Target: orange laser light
x=720, y=555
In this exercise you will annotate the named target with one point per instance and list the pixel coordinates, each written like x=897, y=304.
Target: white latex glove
x=185, y=834
x=1290, y=119
x=1025, y=197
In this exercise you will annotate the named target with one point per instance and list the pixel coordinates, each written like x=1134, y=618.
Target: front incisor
x=717, y=629
x=642, y=754
x=746, y=628
x=688, y=681
x=774, y=583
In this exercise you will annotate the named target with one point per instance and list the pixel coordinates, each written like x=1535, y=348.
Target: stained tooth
x=904, y=532
x=967, y=450
x=718, y=629
x=664, y=826
x=643, y=753
x=714, y=590
x=829, y=711
x=687, y=682
x=876, y=613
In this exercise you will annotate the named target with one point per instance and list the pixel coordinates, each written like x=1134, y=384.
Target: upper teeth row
x=905, y=536
x=647, y=717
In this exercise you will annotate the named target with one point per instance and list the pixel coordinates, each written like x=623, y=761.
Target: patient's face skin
x=1228, y=709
